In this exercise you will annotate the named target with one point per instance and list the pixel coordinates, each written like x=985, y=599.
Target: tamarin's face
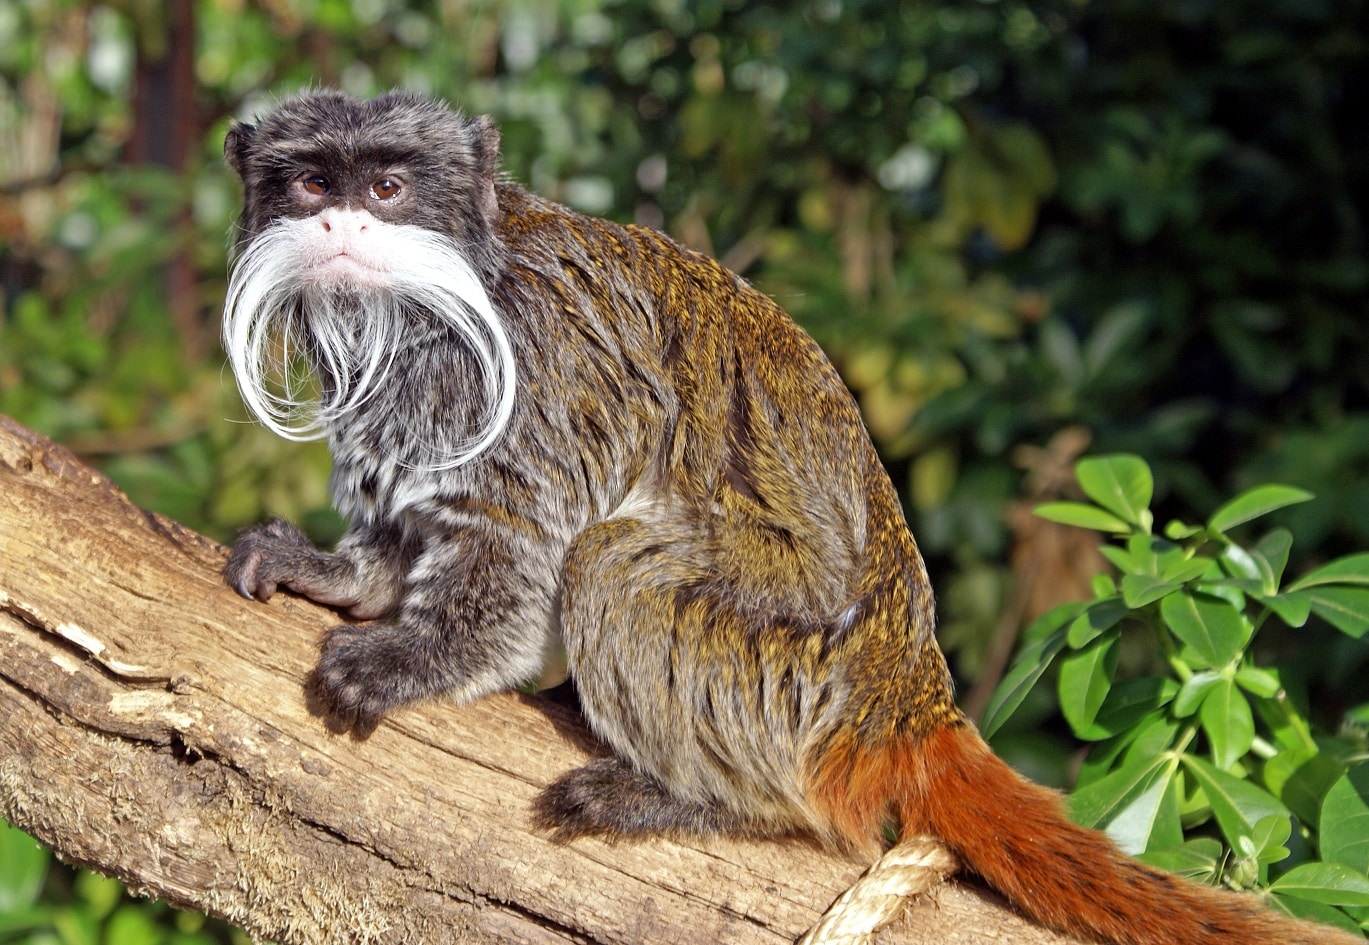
x=396, y=159
x=367, y=227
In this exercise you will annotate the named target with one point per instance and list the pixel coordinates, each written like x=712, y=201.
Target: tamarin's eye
x=317, y=185
x=385, y=188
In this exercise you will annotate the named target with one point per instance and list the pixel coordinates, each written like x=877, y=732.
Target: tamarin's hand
x=544, y=424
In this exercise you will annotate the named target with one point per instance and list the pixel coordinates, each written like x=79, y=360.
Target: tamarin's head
x=400, y=157
x=367, y=227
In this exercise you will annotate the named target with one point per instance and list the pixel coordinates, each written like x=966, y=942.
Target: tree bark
x=154, y=727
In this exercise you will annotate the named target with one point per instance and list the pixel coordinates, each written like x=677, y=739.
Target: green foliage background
x=1016, y=226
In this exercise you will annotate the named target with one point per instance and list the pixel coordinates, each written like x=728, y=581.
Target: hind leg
x=707, y=729
x=608, y=797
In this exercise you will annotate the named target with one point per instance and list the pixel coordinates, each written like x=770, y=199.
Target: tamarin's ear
x=237, y=143
x=485, y=144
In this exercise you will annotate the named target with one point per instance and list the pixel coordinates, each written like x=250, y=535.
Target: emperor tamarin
x=548, y=426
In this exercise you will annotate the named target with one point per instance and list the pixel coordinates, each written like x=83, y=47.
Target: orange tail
x=1016, y=836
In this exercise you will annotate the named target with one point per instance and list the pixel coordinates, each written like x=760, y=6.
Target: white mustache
x=288, y=296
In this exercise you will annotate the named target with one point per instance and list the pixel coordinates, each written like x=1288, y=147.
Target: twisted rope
x=873, y=901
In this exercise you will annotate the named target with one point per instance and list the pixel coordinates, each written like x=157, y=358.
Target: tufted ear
x=237, y=143
x=485, y=145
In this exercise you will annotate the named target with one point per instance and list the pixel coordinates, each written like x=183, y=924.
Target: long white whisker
x=352, y=337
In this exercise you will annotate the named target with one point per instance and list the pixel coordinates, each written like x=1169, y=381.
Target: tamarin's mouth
x=349, y=270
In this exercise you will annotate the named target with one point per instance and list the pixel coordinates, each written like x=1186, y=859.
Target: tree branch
x=154, y=727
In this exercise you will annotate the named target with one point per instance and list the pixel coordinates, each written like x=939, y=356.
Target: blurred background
x=1023, y=231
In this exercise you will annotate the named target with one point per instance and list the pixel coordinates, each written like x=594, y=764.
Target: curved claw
x=255, y=551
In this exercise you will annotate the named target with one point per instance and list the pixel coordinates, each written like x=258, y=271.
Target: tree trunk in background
x=153, y=726
x=166, y=128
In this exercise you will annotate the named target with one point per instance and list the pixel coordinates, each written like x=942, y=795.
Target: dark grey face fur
x=447, y=163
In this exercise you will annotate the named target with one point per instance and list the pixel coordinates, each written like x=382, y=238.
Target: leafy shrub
x=1205, y=763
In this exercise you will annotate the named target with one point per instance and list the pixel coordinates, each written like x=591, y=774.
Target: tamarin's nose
x=343, y=222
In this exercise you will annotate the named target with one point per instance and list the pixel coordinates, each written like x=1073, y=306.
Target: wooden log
x=153, y=726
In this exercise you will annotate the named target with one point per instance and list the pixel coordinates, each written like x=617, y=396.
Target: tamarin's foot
x=360, y=677
x=607, y=797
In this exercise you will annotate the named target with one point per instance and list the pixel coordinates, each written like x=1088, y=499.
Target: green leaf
x=1293, y=609
x=1352, y=569
x=1129, y=702
x=1122, y=559
x=1150, y=737
x=1196, y=859
x=1122, y=484
x=1211, y=627
x=27, y=919
x=1193, y=691
x=1331, y=883
x=1274, y=548
x=1181, y=572
x=1098, y=617
x=1342, y=606
x=1178, y=531
x=1031, y=664
x=1154, y=811
x=1081, y=515
x=76, y=927
x=1289, y=728
x=1138, y=590
x=1315, y=912
x=1096, y=804
x=1269, y=837
x=1228, y=722
x=132, y=925
x=1057, y=618
x=1114, y=335
x=1237, y=805
x=1085, y=678
x=25, y=867
x=1154, y=555
x=1344, y=826
x=1167, y=827
x=100, y=893
x=1301, y=778
x=1252, y=504
x=1230, y=591
x=1258, y=681
x=1240, y=563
